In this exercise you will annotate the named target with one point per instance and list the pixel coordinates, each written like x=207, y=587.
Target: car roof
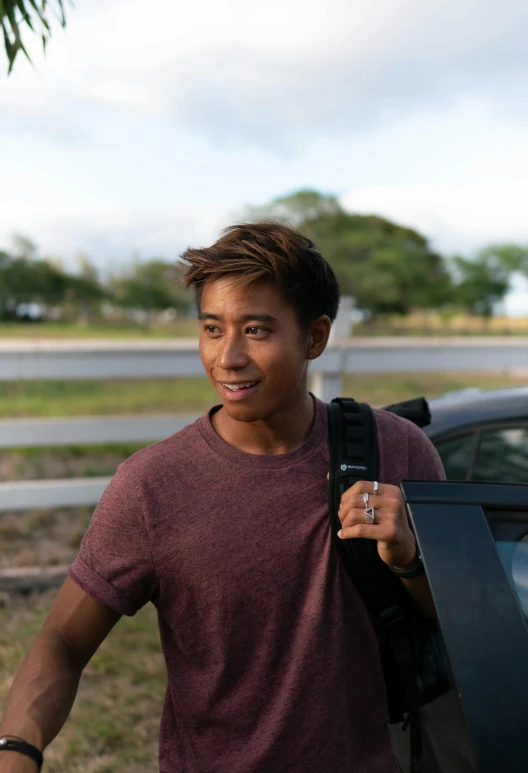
x=461, y=410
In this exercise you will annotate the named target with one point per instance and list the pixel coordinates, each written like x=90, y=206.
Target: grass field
x=417, y=324
x=188, y=395
x=104, y=398
x=114, y=724
x=435, y=323
x=180, y=328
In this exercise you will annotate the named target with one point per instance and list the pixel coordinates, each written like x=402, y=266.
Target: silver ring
x=365, y=499
x=376, y=487
x=370, y=515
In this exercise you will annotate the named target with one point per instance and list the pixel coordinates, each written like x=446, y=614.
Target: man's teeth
x=235, y=387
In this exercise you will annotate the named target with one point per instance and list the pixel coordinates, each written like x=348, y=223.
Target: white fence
x=70, y=492
x=171, y=359
x=178, y=358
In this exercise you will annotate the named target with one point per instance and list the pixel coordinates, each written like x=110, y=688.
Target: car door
x=474, y=541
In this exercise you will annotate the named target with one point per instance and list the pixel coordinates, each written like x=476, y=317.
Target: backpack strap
x=353, y=446
x=354, y=456
x=353, y=449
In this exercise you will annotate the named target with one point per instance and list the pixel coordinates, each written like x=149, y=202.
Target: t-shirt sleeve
x=114, y=564
x=423, y=460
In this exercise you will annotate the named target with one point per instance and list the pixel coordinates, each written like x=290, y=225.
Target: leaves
x=25, y=278
x=483, y=281
x=14, y=14
x=391, y=269
x=298, y=207
x=388, y=268
x=151, y=286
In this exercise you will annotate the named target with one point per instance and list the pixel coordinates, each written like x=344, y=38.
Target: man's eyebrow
x=244, y=318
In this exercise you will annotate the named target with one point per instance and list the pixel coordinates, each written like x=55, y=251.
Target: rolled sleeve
x=114, y=564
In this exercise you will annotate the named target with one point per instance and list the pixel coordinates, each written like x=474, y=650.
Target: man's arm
x=391, y=529
x=421, y=593
x=44, y=689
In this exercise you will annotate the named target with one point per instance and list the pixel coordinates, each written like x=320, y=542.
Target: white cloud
x=281, y=72
x=150, y=125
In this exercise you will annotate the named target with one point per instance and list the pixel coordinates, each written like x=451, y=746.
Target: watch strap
x=14, y=744
x=416, y=570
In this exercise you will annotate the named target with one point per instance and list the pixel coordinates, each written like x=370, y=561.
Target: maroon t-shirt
x=271, y=658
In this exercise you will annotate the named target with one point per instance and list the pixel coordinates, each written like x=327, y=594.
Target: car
x=473, y=535
x=482, y=435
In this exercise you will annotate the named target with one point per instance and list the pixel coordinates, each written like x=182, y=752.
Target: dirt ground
x=42, y=537
x=69, y=462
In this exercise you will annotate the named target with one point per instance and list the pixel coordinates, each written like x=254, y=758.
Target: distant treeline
x=388, y=268
x=32, y=287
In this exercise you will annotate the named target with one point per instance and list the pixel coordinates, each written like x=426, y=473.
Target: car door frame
x=485, y=632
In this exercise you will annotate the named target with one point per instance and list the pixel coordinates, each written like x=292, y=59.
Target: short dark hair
x=252, y=251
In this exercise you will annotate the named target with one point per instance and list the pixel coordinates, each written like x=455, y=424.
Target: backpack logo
x=345, y=467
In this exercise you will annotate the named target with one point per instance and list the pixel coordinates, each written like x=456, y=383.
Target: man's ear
x=318, y=337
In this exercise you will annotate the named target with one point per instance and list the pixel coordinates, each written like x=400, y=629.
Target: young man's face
x=253, y=348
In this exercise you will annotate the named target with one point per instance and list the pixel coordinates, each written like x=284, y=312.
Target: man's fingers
x=364, y=530
x=383, y=510
x=357, y=515
x=385, y=523
x=355, y=501
x=367, y=486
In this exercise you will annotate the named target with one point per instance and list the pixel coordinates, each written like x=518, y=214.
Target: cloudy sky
x=149, y=126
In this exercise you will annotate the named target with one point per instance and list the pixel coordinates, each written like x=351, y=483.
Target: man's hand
x=391, y=529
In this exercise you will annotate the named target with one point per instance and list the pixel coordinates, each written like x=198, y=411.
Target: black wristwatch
x=12, y=743
x=416, y=570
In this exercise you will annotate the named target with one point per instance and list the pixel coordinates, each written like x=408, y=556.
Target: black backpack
x=413, y=656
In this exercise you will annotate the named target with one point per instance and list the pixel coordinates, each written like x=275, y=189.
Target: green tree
x=512, y=258
x=33, y=14
x=5, y=260
x=296, y=208
x=85, y=291
x=388, y=268
x=26, y=278
x=33, y=281
x=151, y=287
x=23, y=247
x=482, y=282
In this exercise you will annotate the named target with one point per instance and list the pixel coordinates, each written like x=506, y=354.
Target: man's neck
x=280, y=433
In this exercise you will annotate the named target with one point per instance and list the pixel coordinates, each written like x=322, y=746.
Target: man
x=271, y=657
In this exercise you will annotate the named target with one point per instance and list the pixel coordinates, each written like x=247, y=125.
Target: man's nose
x=233, y=353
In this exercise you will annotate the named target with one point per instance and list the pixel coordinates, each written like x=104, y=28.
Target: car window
x=514, y=556
x=510, y=532
x=502, y=455
x=455, y=454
